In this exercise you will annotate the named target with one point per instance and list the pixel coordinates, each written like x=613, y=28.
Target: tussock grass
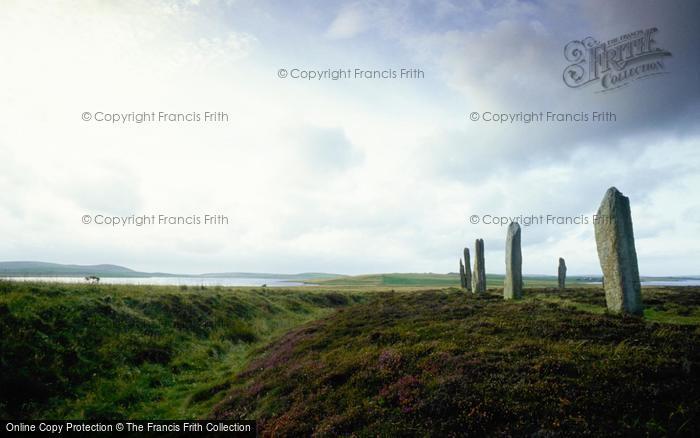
x=117, y=351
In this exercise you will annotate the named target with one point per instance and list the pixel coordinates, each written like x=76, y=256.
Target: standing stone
x=561, y=275
x=618, y=257
x=513, y=285
x=467, y=270
x=461, y=275
x=479, y=275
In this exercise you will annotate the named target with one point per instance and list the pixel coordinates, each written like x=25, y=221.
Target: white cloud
x=347, y=176
x=352, y=19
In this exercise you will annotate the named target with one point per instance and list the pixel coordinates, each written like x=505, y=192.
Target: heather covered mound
x=449, y=363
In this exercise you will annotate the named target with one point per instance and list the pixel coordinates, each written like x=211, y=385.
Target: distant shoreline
x=165, y=281
x=250, y=281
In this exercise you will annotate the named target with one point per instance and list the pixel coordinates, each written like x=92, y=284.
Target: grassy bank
x=107, y=351
x=445, y=363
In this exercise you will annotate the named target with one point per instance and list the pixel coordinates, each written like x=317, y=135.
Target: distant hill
x=44, y=269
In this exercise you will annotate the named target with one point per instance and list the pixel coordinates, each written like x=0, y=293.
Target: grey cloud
x=102, y=190
x=515, y=63
x=327, y=149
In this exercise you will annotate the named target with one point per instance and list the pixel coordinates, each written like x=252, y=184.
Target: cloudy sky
x=349, y=176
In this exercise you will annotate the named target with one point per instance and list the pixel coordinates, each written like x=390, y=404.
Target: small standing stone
x=479, y=275
x=513, y=285
x=467, y=270
x=618, y=257
x=461, y=275
x=561, y=275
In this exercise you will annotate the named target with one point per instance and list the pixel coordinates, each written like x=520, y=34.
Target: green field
x=432, y=280
x=386, y=357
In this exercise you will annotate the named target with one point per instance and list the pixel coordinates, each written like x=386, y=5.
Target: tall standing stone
x=513, y=285
x=462, y=277
x=479, y=275
x=467, y=270
x=561, y=274
x=614, y=238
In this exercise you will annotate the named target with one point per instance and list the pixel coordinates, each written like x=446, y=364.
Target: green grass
x=151, y=352
x=395, y=280
x=399, y=280
x=377, y=359
x=447, y=363
x=673, y=305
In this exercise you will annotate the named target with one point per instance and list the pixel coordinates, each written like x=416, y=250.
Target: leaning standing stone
x=467, y=270
x=618, y=257
x=561, y=274
x=461, y=275
x=513, y=285
x=479, y=275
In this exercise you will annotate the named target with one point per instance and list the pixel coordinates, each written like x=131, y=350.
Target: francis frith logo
x=614, y=63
